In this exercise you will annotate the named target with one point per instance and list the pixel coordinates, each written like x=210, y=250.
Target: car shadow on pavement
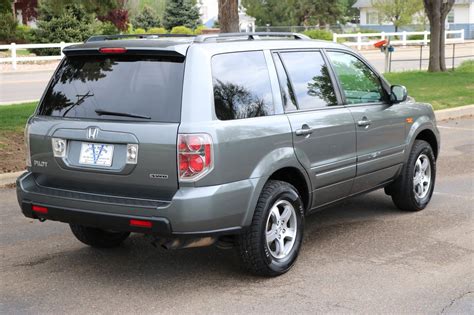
x=137, y=261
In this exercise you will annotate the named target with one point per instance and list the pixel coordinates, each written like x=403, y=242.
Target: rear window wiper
x=102, y=112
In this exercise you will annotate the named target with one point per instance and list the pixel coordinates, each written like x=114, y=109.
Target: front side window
x=359, y=83
x=241, y=85
x=310, y=79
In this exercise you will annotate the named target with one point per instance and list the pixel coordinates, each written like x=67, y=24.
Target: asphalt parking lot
x=361, y=256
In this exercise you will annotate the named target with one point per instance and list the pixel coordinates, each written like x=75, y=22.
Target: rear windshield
x=105, y=87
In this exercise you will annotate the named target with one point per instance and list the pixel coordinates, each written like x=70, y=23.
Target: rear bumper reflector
x=39, y=209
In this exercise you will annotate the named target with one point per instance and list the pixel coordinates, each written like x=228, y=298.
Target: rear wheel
x=271, y=244
x=412, y=191
x=97, y=237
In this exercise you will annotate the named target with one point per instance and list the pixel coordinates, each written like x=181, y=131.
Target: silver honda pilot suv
x=228, y=139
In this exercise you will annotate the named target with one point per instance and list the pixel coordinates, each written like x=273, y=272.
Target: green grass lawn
x=13, y=117
x=441, y=89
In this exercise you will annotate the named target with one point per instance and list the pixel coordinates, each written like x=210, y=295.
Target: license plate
x=96, y=154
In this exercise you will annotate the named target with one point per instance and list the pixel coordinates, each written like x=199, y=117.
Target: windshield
x=85, y=86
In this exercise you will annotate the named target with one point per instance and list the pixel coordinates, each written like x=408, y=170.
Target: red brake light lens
x=194, y=156
x=112, y=50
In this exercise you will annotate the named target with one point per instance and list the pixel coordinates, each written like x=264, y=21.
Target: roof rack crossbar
x=97, y=38
x=250, y=36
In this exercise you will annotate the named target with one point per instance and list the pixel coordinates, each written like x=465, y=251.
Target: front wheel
x=97, y=237
x=412, y=191
x=270, y=246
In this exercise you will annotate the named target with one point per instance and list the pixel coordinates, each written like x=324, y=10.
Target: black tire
x=97, y=237
x=402, y=190
x=253, y=247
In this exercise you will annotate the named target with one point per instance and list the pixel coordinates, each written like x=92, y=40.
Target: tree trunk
x=228, y=16
x=433, y=10
x=445, y=8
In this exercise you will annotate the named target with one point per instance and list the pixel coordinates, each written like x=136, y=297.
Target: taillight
x=194, y=156
x=27, y=144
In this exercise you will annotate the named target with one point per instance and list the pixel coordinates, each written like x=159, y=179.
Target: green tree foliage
x=5, y=6
x=399, y=12
x=74, y=24
x=296, y=12
x=7, y=27
x=146, y=19
x=181, y=13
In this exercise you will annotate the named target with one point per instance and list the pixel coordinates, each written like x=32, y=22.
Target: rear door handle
x=304, y=131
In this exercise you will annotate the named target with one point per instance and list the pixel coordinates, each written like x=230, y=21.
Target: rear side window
x=310, y=79
x=241, y=86
x=95, y=86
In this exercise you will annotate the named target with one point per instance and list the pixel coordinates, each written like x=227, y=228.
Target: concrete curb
x=444, y=114
x=9, y=178
x=453, y=113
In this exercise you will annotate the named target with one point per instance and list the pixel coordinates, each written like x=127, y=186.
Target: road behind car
x=362, y=256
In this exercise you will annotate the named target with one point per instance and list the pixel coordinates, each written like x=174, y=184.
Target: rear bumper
x=220, y=209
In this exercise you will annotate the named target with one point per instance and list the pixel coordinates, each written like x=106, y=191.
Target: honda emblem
x=92, y=133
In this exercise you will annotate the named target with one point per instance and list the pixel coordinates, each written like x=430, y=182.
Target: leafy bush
x=198, y=30
x=146, y=19
x=7, y=27
x=157, y=30
x=139, y=31
x=415, y=37
x=318, y=34
x=181, y=30
x=72, y=25
x=108, y=28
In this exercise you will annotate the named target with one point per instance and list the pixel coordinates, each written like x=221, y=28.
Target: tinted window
x=241, y=86
x=359, y=83
x=143, y=86
x=310, y=79
x=287, y=95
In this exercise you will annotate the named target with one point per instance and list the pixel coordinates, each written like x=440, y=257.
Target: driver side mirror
x=398, y=94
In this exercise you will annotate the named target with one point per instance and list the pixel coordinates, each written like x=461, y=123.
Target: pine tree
x=181, y=13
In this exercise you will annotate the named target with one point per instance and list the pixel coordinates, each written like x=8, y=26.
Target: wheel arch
x=286, y=168
x=429, y=136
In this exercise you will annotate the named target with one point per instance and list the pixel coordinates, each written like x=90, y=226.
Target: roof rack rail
x=250, y=36
x=97, y=38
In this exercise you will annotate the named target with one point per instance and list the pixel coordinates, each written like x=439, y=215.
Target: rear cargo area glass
x=140, y=85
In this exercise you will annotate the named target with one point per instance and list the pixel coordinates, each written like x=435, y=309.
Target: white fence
x=14, y=59
x=362, y=39
x=367, y=39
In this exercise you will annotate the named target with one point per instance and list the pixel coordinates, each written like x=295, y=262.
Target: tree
x=437, y=11
x=74, y=24
x=398, y=12
x=296, y=12
x=228, y=16
x=146, y=19
x=181, y=13
x=6, y=6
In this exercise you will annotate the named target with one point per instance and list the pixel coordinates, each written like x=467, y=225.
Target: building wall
x=461, y=13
